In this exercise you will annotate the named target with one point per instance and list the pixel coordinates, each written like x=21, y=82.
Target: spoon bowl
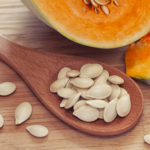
x=40, y=69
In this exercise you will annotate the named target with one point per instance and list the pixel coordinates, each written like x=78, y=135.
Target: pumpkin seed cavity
x=101, y=5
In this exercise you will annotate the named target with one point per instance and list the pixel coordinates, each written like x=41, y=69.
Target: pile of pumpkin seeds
x=102, y=4
x=92, y=93
x=22, y=112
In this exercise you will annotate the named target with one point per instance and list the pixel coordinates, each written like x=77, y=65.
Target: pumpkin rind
x=125, y=24
x=138, y=59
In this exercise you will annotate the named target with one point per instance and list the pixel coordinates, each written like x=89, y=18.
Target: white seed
x=115, y=79
x=94, y=3
x=82, y=82
x=87, y=2
x=79, y=104
x=86, y=113
x=97, y=103
x=102, y=2
x=102, y=79
x=110, y=112
x=147, y=138
x=63, y=73
x=99, y=91
x=37, y=130
x=69, y=85
x=101, y=113
x=96, y=10
x=7, y=88
x=1, y=121
x=105, y=9
x=83, y=93
x=116, y=2
x=23, y=112
x=63, y=103
x=73, y=73
x=123, y=92
x=91, y=70
x=72, y=100
x=123, y=106
x=66, y=92
x=115, y=92
x=58, y=84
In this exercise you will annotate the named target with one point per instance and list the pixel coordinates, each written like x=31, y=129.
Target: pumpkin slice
x=90, y=25
x=138, y=59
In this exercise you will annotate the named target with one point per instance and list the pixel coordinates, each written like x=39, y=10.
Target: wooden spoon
x=40, y=69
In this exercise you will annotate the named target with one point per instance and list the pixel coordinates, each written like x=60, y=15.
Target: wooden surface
x=20, y=26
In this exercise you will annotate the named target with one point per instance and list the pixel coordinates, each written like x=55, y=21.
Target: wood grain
x=20, y=26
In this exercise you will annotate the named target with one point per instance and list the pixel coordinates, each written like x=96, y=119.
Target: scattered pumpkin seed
x=23, y=112
x=37, y=130
x=7, y=88
x=1, y=121
x=147, y=138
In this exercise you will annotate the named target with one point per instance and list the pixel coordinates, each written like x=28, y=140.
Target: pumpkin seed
x=124, y=106
x=115, y=92
x=115, y=79
x=73, y=73
x=99, y=91
x=116, y=2
x=102, y=79
x=86, y=113
x=97, y=103
x=72, y=100
x=23, y=112
x=69, y=85
x=96, y=10
x=63, y=73
x=79, y=104
x=94, y=3
x=123, y=92
x=91, y=70
x=63, y=103
x=87, y=2
x=102, y=2
x=7, y=88
x=82, y=82
x=147, y=138
x=105, y=9
x=101, y=113
x=37, y=130
x=83, y=93
x=1, y=121
x=66, y=92
x=110, y=112
x=58, y=84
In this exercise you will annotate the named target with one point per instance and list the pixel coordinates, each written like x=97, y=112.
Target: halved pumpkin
x=138, y=59
x=124, y=24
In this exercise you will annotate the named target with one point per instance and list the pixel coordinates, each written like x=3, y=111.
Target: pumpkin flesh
x=125, y=23
x=138, y=59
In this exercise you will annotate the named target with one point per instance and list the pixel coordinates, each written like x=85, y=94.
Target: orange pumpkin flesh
x=138, y=59
x=125, y=23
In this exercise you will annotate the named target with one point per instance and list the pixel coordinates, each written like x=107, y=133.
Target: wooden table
x=19, y=25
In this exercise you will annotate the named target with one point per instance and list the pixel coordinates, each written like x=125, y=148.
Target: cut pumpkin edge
x=85, y=42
